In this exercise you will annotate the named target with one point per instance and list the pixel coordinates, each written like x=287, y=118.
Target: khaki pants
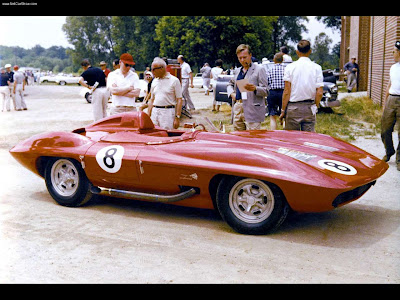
x=186, y=94
x=239, y=123
x=5, y=98
x=19, y=97
x=163, y=117
x=351, y=81
x=391, y=115
x=99, y=103
x=300, y=117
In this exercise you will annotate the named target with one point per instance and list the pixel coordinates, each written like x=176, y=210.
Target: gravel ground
x=122, y=241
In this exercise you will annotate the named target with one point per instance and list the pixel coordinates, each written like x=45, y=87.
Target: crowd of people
x=12, y=86
x=292, y=89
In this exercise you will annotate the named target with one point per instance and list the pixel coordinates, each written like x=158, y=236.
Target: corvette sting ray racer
x=252, y=178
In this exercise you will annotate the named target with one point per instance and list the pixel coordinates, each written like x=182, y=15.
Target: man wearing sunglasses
x=165, y=103
x=123, y=84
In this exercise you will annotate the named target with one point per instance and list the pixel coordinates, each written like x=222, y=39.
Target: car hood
x=286, y=155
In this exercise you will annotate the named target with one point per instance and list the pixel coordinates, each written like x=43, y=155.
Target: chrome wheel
x=64, y=177
x=251, y=200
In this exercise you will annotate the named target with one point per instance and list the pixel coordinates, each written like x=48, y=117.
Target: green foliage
x=199, y=38
x=53, y=59
x=207, y=38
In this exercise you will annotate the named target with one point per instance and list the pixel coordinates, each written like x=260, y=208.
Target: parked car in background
x=47, y=78
x=63, y=79
x=198, y=80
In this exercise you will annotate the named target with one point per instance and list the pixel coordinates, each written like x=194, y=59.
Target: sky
x=46, y=31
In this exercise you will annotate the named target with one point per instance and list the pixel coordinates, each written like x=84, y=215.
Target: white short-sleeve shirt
x=305, y=77
x=116, y=77
x=395, y=79
x=185, y=70
x=165, y=91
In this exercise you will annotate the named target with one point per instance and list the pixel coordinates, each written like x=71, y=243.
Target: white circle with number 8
x=110, y=158
x=337, y=166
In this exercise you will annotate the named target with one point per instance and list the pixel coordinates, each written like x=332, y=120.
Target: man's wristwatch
x=176, y=116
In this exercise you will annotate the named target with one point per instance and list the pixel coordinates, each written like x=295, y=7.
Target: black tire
x=67, y=182
x=88, y=97
x=251, y=206
x=62, y=82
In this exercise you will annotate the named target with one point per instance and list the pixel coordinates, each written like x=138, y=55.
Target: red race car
x=253, y=178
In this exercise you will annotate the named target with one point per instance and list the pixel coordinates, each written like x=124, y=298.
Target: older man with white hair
x=165, y=104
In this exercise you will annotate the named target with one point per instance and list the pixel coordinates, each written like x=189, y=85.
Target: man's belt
x=167, y=106
x=302, y=101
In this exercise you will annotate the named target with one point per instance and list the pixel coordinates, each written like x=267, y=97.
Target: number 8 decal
x=337, y=166
x=110, y=158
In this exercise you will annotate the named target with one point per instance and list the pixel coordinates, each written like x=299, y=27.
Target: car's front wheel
x=251, y=206
x=67, y=182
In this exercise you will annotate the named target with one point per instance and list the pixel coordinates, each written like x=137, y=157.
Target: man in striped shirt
x=276, y=83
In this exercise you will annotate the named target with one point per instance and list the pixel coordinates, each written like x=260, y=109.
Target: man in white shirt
x=165, y=104
x=303, y=91
x=391, y=111
x=186, y=75
x=215, y=71
x=19, y=88
x=124, y=86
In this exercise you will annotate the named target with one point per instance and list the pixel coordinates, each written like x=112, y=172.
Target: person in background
x=205, y=74
x=165, y=104
x=124, y=86
x=10, y=74
x=391, y=111
x=148, y=77
x=276, y=84
x=352, y=71
x=19, y=88
x=286, y=57
x=4, y=90
x=103, y=67
x=186, y=76
x=303, y=91
x=115, y=64
x=215, y=72
x=249, y=105
x=100, y=94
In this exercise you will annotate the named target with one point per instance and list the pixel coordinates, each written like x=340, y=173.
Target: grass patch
x=357, y=116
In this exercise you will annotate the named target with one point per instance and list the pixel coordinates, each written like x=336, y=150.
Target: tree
x=287, y=29
x=91, y=37
x=334, y=22
x=320, y=52
x=136, y=35
x=207, y=38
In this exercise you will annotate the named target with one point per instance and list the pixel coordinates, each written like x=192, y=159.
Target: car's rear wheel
x=67, y=182
x=251, y=206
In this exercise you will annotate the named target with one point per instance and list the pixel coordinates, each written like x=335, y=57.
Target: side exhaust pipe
x=143, y=196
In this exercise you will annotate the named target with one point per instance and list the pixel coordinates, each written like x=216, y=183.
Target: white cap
x=7, y=66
